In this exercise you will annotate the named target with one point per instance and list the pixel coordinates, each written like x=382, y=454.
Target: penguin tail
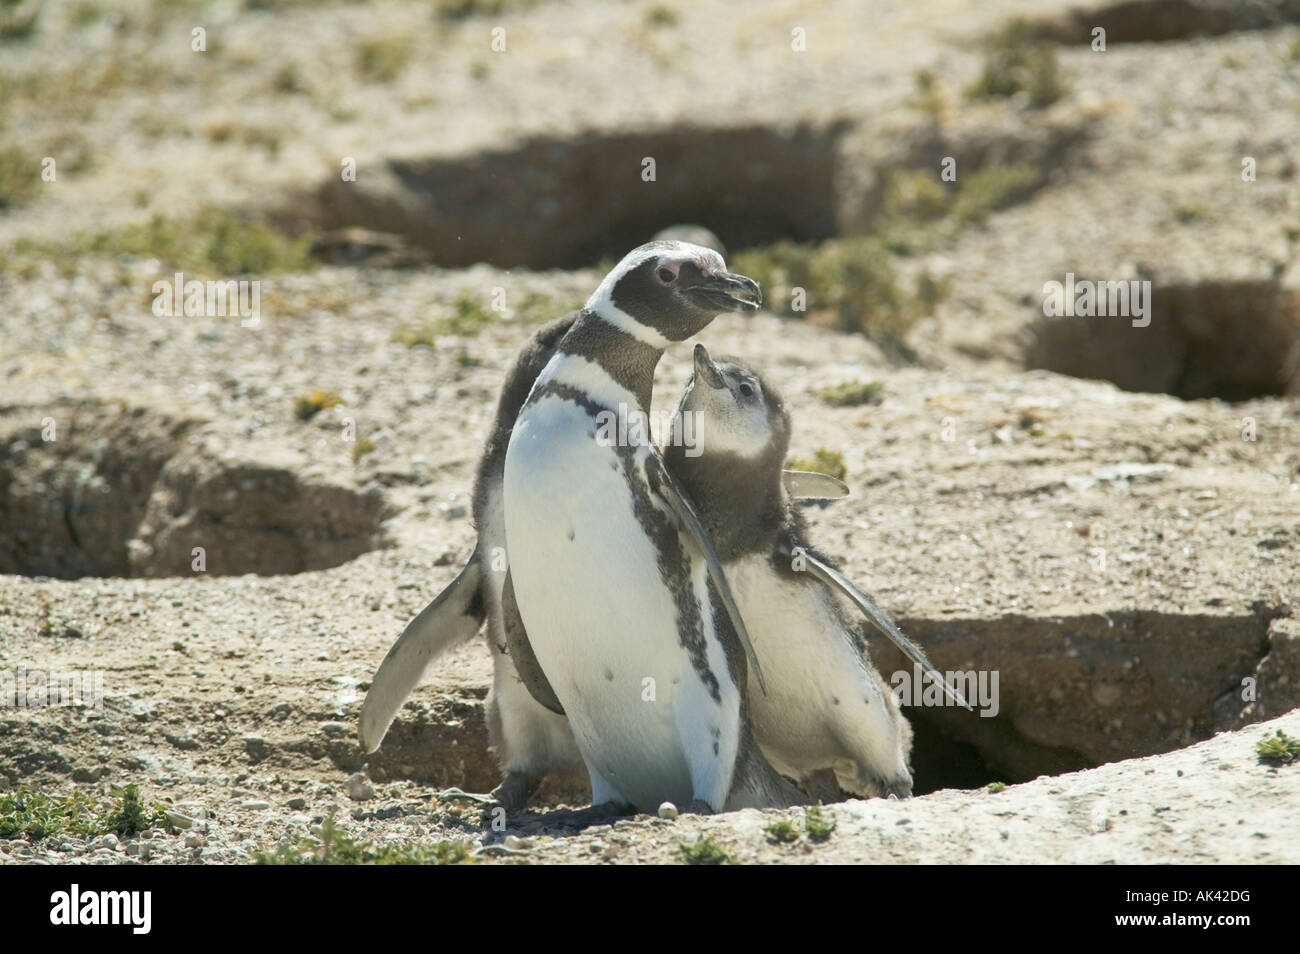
x=454, y=616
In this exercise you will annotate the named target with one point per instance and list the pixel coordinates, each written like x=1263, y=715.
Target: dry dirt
x=1128, y=561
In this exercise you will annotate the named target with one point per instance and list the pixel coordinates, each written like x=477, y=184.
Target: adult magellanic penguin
x=626, y=607
x=825, y=706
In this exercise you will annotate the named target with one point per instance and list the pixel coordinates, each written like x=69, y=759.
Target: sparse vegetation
x=931, y=97
x=782, y=832
x=852, y=393
x=660, y=15
x=705, y=851
x=995, y=787
x=228, y=130
x=361, y=448
x=308, y=406
x=17, y=19
x=822, y=462
x=851, y=279
x=819, y=822
x=213, y=242
x=468, y=316
x=332, y=847
x=35, y=815
x=1016, y=62
x=1278, y=748
x=382, y=58
x=20, y=176
x=459, y=9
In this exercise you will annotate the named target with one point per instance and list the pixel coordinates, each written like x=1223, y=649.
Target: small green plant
x=993, y=187
x=782, y=832
x=1017, y=62
x=822, y=462
x=361, y=448
x=20, y=176
x=468, y=316
x=459, y=9
x=819, y=822
x=660, y=15
x=705, y=851
x=930, y=97
x=308, y=406
x=332, y=847
x=130, y=816
x=1278, y=748
x=381, y=58
x=852, y=393
x=17, y=22
x=995, y=787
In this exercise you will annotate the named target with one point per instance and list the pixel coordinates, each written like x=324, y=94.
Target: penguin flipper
x=834, y=579
x=810, y=485
x=454, y=616
x=663, y=485
x=521, y=651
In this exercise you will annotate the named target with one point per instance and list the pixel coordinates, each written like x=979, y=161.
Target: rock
x=359, y=788
x=297, y=803
x=177, y=820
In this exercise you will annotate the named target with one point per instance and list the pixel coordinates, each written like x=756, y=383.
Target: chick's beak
x=706, y=370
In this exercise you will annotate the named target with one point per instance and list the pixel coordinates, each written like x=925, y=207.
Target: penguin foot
x=512, y=794
x=697, y=807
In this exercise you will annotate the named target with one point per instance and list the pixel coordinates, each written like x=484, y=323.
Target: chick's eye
x=746, y=389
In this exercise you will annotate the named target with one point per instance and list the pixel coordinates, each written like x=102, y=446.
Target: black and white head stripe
x=667, y=291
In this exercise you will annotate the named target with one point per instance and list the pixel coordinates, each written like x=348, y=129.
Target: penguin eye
x=746, y=389
x=666, y=274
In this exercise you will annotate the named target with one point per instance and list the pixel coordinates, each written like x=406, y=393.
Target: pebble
x=109, y=842
x=195, y=840
x=668, y=810
x=297, y=804
x=255, y=805
x=517, y=843
x=177, y=820
x=359, y=788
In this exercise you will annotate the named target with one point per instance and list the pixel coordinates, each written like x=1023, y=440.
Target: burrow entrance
x=1162, y=21
x=568, y=203
x=104, y=489
x=1233, y=340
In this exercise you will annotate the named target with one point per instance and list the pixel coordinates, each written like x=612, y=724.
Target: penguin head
x=738, y=413
x=667, y=291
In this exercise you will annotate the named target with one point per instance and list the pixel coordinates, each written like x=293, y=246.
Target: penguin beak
x=727, y=291
x=706, y=370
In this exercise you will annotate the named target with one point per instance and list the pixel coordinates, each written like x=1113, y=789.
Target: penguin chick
x=826, y=706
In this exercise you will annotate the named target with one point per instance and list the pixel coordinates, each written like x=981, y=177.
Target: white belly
x=602, y=622
x=825, y=706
